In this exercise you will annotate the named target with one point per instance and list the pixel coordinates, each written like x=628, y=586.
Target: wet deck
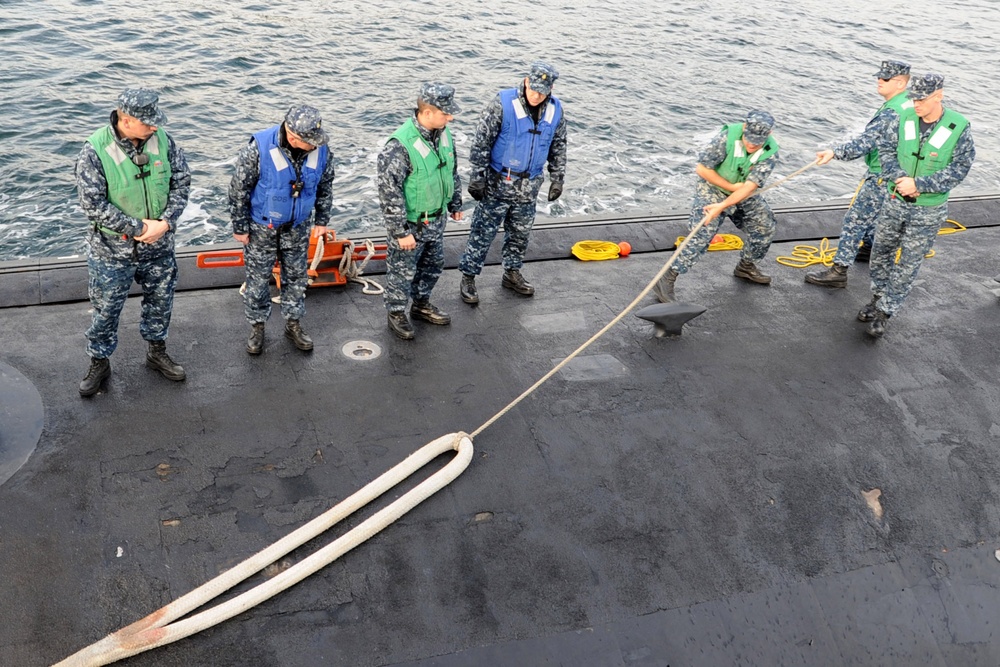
x=691, y=501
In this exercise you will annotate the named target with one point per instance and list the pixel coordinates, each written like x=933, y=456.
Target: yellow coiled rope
x=808, y=255
x=721, y=242
x=590, y=251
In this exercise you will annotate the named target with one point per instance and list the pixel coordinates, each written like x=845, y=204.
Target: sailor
x=521, y=130
x=858, y=231
x=418, y=189
x=730, y=169
x=923, y=158
x=133, y=183
x=283, y=182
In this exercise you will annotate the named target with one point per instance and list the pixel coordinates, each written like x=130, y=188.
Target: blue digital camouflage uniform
x=508, y=201
x=410, y=273
x=752, y=215
x=287, y=244
x=859, y=222
x=113, y=262
x=907, y=227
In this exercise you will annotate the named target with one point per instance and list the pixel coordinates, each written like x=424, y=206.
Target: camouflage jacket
x=487, y=131
x=714, y=155
x=392, y=168
x=247, y=174
x=864, y=143
x=92, y=187
x=941, y=181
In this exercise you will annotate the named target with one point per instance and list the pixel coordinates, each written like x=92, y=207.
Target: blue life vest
x=521, y=147
x=273, y=202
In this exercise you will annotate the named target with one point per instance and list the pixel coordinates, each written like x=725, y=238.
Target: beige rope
x=662, y=272
x=158, y=628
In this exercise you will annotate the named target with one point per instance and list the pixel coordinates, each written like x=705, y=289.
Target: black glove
x=555, y=189
x=477, y=189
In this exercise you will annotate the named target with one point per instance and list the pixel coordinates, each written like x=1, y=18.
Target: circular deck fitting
x=21, y=420
x=361, y=350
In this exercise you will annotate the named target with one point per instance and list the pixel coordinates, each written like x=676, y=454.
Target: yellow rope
x=721, y=242
x=595, y=250
x=807, y=255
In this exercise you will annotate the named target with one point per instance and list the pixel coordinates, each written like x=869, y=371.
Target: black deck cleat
x=669, y=318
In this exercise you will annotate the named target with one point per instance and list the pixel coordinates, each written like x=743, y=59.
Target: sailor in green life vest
x=730, y=170
x=418, y=189
x=858, y=232
x=923, y=158
x=133, y=183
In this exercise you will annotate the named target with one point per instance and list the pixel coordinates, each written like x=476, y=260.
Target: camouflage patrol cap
x=141, y=104
x=440, y=95
x=541, y=77
x=306, y=122
x=923, y=85
x=758, y=127
x=891, y=68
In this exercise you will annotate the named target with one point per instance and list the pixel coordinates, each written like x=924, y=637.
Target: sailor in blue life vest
x=418, y=190
x=731, y=168
x=924, y=156
x=282, y=188
x=858, y=232
x=133, y=182
x=521, y=130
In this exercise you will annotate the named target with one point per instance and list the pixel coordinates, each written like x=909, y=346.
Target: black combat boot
x=867, y=313
x=513, y=279
x=876, y=328
x=835, y=276
x=864, y=253
x=99, y=371
x=400, y=326
x=748, y=271
x=468, y=289
x=426, y=311
x=294, y=332
x=158, y=359
x=255, y=343
x=664, y=287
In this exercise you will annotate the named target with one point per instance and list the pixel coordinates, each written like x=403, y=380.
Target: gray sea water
x=645, y=83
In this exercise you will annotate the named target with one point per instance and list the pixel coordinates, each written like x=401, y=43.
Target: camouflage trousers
x=288, y=245
x=517, y=217
x=752, y=215
x=412, y=273
x=911, y=229
x=108, y=286
x=859, y=223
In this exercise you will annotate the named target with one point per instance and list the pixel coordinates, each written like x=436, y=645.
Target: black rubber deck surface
x=689, y=501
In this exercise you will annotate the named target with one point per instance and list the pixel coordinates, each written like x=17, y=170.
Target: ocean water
x=644, y=84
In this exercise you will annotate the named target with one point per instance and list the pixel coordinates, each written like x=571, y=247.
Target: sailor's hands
x=824, y=156
x=555, y=190
x=712, y=211
x=477, y=189
x=152, y=231
x=407, y=242
x=906, y=187
x=457, y=215
x=242, y=238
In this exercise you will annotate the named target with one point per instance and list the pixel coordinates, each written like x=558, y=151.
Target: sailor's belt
x=427, y=215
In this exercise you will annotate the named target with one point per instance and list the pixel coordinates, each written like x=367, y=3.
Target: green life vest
x=429, y=187
x=140, y=192
x=903, y=106
x=932, y=156
x=737, y=164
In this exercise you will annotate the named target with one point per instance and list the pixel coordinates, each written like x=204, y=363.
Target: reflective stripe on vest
x=521, y=148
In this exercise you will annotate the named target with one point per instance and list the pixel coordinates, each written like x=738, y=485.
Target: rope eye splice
x=163, y=627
